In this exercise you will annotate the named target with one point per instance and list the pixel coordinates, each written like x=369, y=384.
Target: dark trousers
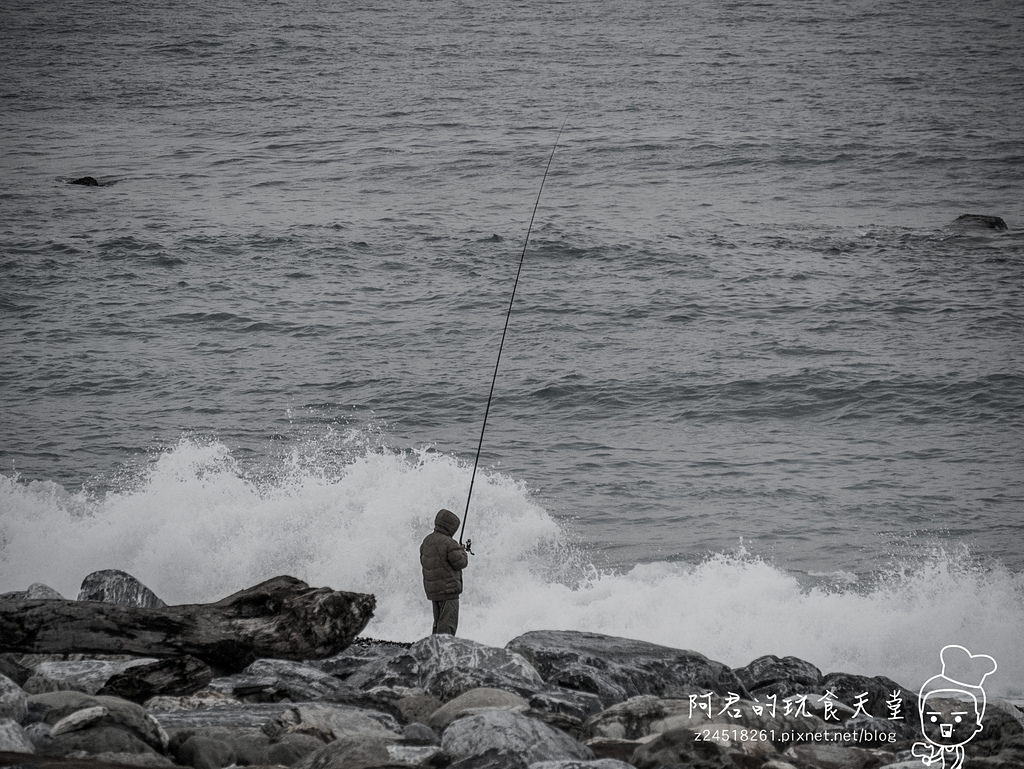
x=446, y=616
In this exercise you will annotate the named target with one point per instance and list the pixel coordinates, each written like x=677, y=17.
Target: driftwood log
x=282, y=618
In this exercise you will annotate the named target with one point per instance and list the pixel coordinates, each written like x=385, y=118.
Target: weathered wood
x=281, y=618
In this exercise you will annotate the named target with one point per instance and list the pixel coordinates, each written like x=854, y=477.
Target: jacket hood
x=446, y=522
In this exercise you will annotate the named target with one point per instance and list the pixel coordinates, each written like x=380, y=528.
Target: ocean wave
x=195, y=525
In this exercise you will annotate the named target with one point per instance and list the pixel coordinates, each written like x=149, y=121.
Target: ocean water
x=759, y=395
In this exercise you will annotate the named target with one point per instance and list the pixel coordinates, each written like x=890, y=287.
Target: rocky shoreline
x=547, y=700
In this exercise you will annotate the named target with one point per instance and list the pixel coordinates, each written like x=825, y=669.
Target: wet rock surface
x=549, y=700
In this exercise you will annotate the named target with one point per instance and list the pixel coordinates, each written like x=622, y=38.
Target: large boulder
x=360, y=653
x=87, y=675
x=281, y=618
x=11, y=666
x=446, y=666
x=98, y=739
x=512, y=733
x=781, y=676
x=639, y=718
x=881, y=698
x=616, y=669
x=13, y=738
x=245, y=746
x=474, y=700
x=13, y=700
x=52, y=708
x=329, y=722
x=269, y=680
x=202, y=752
x=114, y=586
x=171, y=677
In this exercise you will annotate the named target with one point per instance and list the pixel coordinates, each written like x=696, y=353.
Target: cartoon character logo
x=952, y=705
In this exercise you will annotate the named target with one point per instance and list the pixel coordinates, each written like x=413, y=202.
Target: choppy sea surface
x=759, y=394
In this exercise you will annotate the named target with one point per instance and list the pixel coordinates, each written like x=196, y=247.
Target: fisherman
x=443, y=560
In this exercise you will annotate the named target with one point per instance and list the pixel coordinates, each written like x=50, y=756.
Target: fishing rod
x=504, y=333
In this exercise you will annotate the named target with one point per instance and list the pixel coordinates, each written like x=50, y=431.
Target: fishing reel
x=469, y=547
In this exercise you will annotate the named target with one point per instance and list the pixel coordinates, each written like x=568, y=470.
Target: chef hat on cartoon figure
x=961, y=672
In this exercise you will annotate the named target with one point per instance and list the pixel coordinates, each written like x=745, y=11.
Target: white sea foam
x=196, y=526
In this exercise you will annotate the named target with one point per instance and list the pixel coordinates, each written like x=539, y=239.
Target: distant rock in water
x=113, y=586
x=85, y=181
x=981, y=221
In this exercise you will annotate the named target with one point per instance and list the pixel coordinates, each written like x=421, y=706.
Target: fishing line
x=501, y=346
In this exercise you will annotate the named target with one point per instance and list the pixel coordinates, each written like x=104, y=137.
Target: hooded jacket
x=443, y=559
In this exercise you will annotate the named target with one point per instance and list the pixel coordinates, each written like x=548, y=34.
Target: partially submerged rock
x=981, y=221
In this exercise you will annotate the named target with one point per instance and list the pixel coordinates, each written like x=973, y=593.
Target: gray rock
x=248, y=746
x=836, y=756
x=615, y=669
x=80, y=719
x=446, y=666
x=505, y=731
x=641, y=717
x=879, y=696
x=472, y=701
x=418, y=706
x=599, y=763
x=781, y=676
x=38, y=734
x=203, y=752
x=361, y=652
x=1003, y=732
x=620, y=750
x=172, y=677
x=52, y=707
x=280, y=618
x=118, y=587
x=99, y=739
x=982, y=221
x=679, y=749
x=349, y=753
x=404, y=753
x=328, y=722
x=269, y=680
x=13, y=737
x=13, y=700
x=12, y=668
x=226, y=714
x=292, y=748
x=565, y=709
x=35, y=591
x=87, y=675
x=420, y=734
